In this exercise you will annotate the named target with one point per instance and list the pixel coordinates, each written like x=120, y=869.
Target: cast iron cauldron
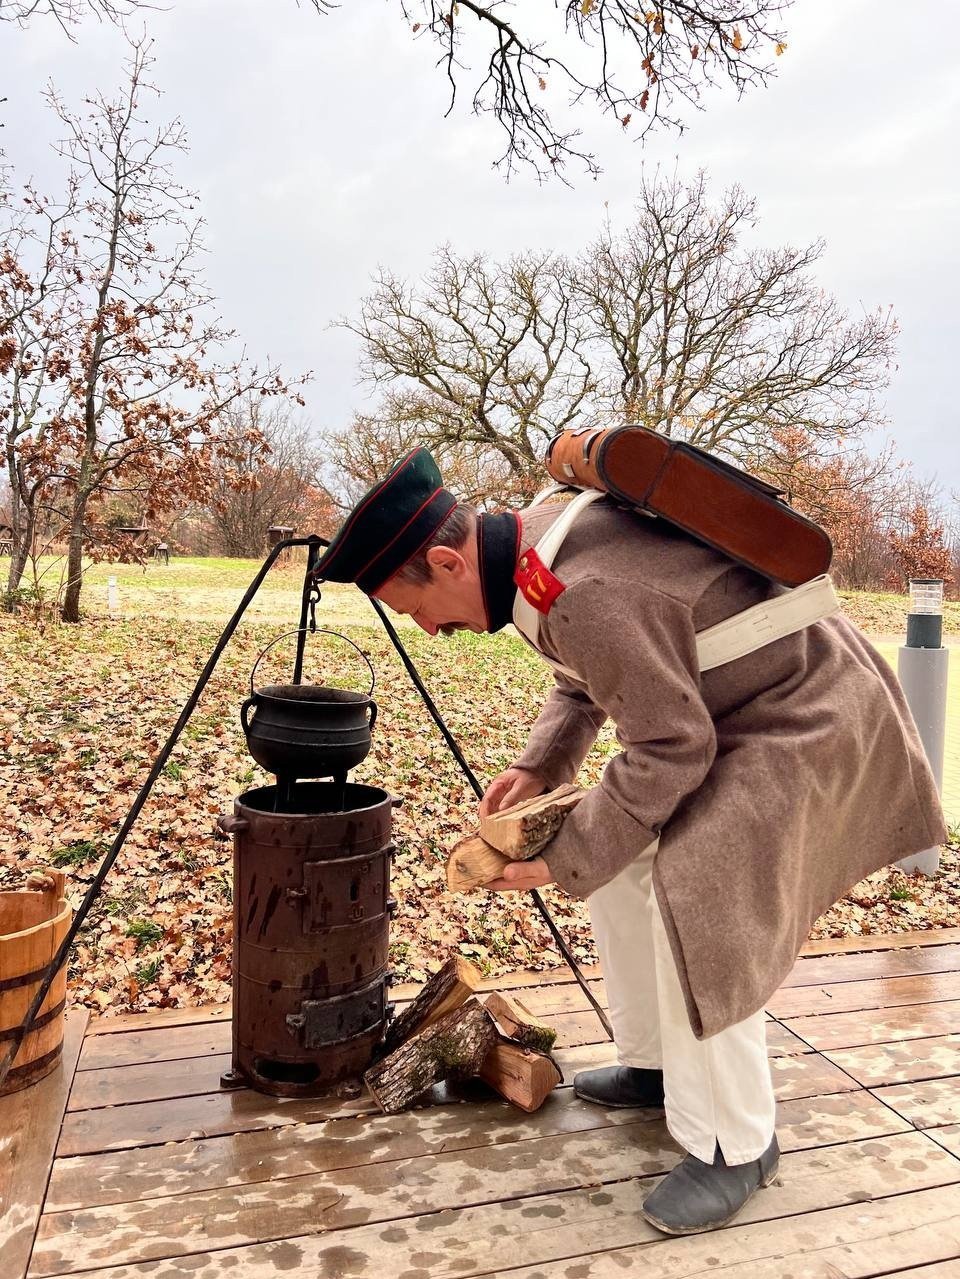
x=305, y=730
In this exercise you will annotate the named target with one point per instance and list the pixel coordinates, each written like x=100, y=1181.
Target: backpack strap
x=525, y=617
x=735, y=637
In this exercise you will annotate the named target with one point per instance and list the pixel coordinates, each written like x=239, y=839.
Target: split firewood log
x=472, y=862
x=455, y=1046
x=521, y=830
x=517, y=1022
x=449, y=987
x=520, y=1075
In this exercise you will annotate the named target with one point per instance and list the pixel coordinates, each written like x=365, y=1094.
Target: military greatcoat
x=774, y=782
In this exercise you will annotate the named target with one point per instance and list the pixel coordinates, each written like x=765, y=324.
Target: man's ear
x=444, y=559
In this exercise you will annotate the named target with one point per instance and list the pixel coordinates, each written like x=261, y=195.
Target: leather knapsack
x=719, y=504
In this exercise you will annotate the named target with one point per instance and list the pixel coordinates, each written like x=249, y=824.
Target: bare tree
x=719, y=343
x=482, y=356
x=362, y=454
x=138, y=358
x=265, y=473
x=672, y=324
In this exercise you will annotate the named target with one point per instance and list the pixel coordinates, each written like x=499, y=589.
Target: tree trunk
x=19, y=535
x=18, y=562
x=71, y=595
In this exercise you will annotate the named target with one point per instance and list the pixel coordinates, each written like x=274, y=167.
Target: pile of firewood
x=449, y=1031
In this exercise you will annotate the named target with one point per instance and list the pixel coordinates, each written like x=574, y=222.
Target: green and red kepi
x=389, y=525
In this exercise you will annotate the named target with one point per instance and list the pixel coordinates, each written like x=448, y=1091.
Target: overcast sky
x=319, y=151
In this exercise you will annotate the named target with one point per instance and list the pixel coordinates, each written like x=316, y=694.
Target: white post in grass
x=922, y=666
x=113, y=602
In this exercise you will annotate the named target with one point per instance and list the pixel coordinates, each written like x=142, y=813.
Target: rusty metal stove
x=311, y=935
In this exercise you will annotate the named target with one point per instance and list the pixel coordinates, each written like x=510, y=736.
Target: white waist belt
x=770, y=620
x=735, y=637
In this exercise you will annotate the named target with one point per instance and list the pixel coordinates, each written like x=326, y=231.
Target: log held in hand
x=514, y=834
x=523, y=829
x=472, y=862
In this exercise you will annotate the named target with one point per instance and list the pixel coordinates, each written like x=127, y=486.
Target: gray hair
x=454, y=531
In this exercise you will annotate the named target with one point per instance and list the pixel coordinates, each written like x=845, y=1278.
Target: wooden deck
x=159, y=1173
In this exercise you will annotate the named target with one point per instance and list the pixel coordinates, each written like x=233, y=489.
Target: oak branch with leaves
x=643, y=65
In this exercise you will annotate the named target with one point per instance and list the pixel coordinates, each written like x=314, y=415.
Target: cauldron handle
x=244, y=712
x=320, y=630
x=373, y=714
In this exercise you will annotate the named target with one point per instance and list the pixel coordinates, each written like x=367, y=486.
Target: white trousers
x=716, y=1090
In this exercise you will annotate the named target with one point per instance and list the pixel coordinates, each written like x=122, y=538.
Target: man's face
x=450, y=601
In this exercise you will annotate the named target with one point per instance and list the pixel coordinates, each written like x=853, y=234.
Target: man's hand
x=534, y=873
x=511, y=787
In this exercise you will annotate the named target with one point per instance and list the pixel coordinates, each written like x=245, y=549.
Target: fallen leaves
x=86, y=709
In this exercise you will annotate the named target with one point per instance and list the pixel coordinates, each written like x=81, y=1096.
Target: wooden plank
x=183, y=1223
x=803, y=1075
x=948, y=1138
x=121, y=1175
x=851, y=996
x=152, y=1081
x=548, y=1001
x=880, y=963
x=902, y=1063
x=194, y=1076
x=809, y=1075
x=185, y=1118
x=124, y=1170
x=162, y=1018
x=877, y=1026
x=925, y=1105
x=881, y=941
x=782, y=1042
x=939, y=1270
x=156, y=1044
x=544, y=1227
x=802, y=998
x=29, y=1124
x=855, y=1241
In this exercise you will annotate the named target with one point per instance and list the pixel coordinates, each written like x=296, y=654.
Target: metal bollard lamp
x=922, y=667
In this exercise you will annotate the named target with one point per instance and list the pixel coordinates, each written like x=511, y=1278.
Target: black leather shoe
x=696, y=1196
x=620, y=1086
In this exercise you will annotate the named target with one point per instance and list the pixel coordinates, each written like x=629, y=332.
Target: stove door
x=345, y=891
x=321, y=1023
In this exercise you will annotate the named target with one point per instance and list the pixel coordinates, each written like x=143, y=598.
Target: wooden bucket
x=33, y=923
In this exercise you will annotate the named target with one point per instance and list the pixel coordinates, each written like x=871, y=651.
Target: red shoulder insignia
x=536, y=583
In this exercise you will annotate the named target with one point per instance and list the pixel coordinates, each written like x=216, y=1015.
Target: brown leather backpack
x=717, y=503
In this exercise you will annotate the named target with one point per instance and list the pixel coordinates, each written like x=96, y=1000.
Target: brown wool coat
x=775, y=782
